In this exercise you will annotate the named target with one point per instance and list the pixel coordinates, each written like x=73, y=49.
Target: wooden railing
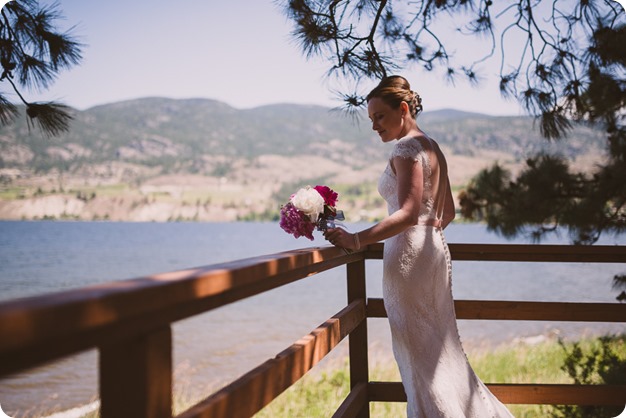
x=129, y=322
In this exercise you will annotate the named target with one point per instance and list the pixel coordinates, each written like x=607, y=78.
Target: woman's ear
x=404, y=108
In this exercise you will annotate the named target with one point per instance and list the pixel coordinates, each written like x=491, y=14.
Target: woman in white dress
x=437, y=378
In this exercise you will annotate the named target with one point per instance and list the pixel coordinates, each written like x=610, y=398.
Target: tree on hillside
x=32, y=52
x=563, y=60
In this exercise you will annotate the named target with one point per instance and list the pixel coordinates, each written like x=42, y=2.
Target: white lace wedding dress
x=438, y=380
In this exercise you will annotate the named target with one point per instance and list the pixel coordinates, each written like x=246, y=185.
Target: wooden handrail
x=523, y=393
x=523, y=252
x=75, y=320
x=130, y=323
x=524, y=311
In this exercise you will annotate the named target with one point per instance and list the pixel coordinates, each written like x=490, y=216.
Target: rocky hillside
x=163, y=159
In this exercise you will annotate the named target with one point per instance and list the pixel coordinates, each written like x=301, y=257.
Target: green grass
x=319, y=395
x=12, y=193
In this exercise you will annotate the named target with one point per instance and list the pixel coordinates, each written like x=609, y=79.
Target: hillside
x=165, y=159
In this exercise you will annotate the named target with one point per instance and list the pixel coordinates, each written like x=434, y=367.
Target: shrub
x=604, y=362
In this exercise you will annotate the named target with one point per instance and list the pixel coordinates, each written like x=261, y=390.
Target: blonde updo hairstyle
x=394, y=90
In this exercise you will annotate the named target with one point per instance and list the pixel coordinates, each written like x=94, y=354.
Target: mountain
x=453, y=114
x=166, y=132
x=164, y=159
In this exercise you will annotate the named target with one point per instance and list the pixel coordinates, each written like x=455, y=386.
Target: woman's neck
x=410, y=129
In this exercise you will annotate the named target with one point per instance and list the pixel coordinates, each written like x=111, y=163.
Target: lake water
x=215, y=348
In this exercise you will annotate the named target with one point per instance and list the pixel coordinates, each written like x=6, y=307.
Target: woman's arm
x=448, y=207
x=410, y=179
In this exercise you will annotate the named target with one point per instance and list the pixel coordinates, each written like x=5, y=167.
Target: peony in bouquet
x=310, y=208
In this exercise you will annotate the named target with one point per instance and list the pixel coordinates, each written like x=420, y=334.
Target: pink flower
x=330, y=197
x=295, y=222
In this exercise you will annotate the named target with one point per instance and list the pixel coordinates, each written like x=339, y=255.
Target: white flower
x=309, y=201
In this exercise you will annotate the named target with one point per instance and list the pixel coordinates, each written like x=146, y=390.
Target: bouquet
x=308, y=209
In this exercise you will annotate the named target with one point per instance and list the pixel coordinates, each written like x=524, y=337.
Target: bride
x=437, y=378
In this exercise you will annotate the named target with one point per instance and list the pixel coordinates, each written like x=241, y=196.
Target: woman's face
x=388, y=122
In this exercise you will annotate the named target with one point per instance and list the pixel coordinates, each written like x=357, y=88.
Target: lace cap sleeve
x=407, y=148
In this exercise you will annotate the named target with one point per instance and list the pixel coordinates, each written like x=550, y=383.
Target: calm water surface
x=214, y=348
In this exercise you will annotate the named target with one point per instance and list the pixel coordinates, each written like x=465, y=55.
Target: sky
x=236, y=51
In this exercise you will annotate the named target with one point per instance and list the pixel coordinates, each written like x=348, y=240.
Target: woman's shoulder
x=408, y=147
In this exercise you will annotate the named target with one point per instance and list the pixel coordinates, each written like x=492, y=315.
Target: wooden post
x=359, y=369
x=136, y=376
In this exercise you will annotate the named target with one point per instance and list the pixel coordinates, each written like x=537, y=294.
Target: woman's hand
x=339, y=237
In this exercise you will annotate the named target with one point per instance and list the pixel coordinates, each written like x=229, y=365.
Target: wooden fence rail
x=129, y=322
